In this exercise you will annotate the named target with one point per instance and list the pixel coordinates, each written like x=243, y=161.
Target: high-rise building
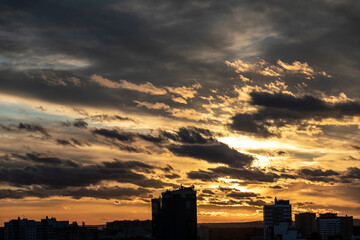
x=156, y=217
x=2, y=233
x=276, y=216
x=329, y=225
x=305, y=223
x=174, y=215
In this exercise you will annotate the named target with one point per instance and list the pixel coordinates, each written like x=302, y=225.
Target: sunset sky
x=104, y=104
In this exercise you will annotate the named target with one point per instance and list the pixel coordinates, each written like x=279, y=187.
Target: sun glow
x=261, y=161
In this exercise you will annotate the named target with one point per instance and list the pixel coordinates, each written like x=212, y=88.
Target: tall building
x=277, y=218
x=174, y=215
x=305, y=223
x=330, y=226
x=156, y=217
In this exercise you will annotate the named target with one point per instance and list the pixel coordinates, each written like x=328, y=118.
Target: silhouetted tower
x=274, y=215
x=174, y=215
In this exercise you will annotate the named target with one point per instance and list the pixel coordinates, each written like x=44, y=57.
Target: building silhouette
x=330, y=226
x=275, y=216
x=24, y=229
x=129, y=229
x=174, y=215
x=20, y=229
x=48, y=228
x=305, y=223
x=278, y=222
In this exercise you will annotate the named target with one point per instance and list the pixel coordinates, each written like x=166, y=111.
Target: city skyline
x=174, y=216
x=106, y=104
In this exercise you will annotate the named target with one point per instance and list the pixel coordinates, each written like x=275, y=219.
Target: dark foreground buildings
x=174, y=215
x=51, y=229
x=24, y=229
x=277, y=221
x=330, y=226
x=278, y=224
x=305, y=222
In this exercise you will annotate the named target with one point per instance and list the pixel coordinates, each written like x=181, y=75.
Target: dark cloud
x=32, y=127
x=172, y=176
x=188, y=142
x=191, y=135
x=317, y=36
x=213, y=153
x=318, y=172
x=136, y=165
x=127, y=148
x=151, y=138
x=78, y=143
x=242, y=195
x=72, y=142
x=109, y=118
x=356, y=147
x=249, y=123
x=79, y=123
x=65, y=142
x=207, y=191
x=179, y=42
x=202, y=175
x=281, y=153
x=114, y=134
x=251, y=175
x=303, y=107
x=77, y=193
x=353, y=173
x=199, y=143
x=58, y=173
x=168, y=168
x=6, y=128
x=256, y=203
x=279, y=109
x=44, y=159
x=318, y=175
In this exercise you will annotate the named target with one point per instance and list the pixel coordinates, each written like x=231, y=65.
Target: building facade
x=305, y=223
x=174, y=215
x=330, y=226
x=20, y=229
x=276, y=216
x=24, y=229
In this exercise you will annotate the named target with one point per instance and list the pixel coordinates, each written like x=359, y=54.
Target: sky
x=106, y=104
